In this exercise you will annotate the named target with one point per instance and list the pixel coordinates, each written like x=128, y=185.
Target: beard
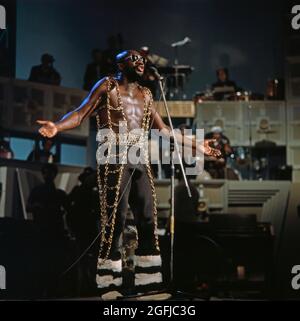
x=131, y=74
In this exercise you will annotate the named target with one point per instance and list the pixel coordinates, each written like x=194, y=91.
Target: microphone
x=155, y=73
x=181, y=42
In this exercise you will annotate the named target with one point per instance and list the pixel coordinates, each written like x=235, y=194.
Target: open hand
x=48, y=129
x=210, y=151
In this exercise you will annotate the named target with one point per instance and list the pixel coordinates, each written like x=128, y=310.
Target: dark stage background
x=245, y=36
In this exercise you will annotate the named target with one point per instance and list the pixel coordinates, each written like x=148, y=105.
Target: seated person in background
x=5, y=149
x=93, y=70
x=83, y=222
x=216, y=166
x=223, y=88
x=45, y=73
x=48, y=204
x=43, y=155
x=81, y=216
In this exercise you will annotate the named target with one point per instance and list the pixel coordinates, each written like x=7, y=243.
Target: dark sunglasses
x=135, y=58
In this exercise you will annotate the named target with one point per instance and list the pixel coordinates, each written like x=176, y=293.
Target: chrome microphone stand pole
x=174, y=151
x=249, y=110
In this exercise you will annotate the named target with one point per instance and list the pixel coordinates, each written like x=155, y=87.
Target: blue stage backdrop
x=246, y=36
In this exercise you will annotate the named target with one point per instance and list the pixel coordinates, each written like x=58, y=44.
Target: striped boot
x=109, y=277
x=148, y=276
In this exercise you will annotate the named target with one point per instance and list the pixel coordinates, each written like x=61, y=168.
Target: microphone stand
x=249, y=109
x=174, y=149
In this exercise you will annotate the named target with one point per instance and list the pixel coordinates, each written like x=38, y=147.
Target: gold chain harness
x=108, y=222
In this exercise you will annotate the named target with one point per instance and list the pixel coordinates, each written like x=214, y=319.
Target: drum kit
x=175, y=74
x=209, y=95
x=176, y=77
x=239, y=164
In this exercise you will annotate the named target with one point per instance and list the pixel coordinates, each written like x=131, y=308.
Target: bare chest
x=132, y=104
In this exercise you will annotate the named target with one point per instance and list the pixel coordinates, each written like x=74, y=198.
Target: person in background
x=45, y=73
x=48, y=205
x=44, y=155
x=83, y=221
x=5, y=149
x=223, y=88
x=81, y=203
x=216, y=166
x=93, y=70
x=114, y=46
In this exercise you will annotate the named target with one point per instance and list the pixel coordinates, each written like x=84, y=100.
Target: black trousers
x=135, y=190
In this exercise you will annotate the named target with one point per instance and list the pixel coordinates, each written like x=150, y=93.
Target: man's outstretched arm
x=159, y=124
x=75, y=117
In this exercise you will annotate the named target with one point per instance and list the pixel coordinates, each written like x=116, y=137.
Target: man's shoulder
x=147, y=90
x=104, y=82
x=102, y=86
x=148, y=94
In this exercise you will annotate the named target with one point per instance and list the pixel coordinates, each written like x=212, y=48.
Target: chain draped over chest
x=107, y=137
x=122, y=136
